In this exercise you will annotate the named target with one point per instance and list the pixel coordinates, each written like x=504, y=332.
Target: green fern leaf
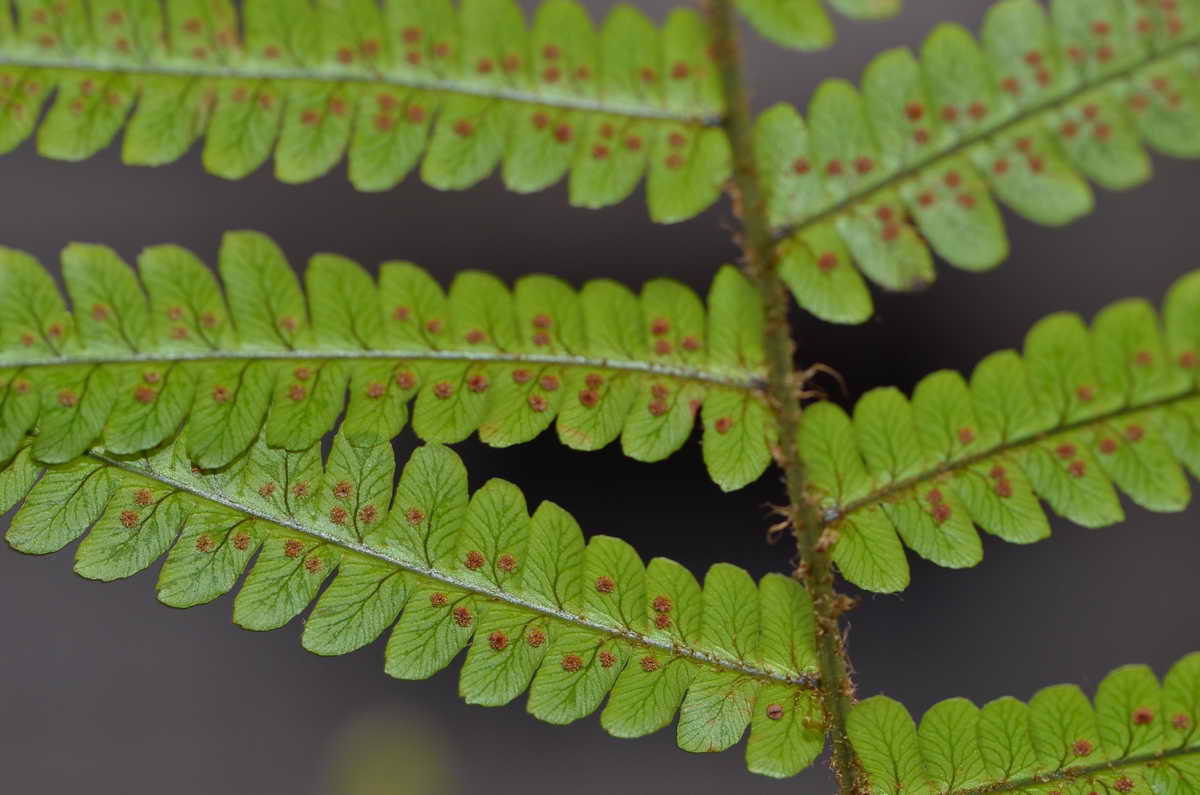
x=804, y=24
x=1135, y=736
x=444, y=570
x=879, y=178
x=385, y=86
x=1081, y=412
x=600, y=364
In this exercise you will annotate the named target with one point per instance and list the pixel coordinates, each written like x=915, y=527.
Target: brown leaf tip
x=605, y=584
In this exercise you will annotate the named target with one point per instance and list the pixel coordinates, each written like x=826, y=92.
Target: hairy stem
x=816, y=568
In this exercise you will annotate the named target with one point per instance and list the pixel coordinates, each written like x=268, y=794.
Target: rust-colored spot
x=662, y=621
x=571, y=663
x=1003, y=488
x=21, y=386
x=541, y=338
x=935, y=497
x=535, y=637
x=926, y=199
x=1134, y=433
x=1069, y=129
x=375, y=390
x=383, y=122
x=1085, y=393
x=662, y=604
x=368, y=514
x=510, y=62
x=143, y=497
x=1077, y=468
x=659, y=391
x=914, y=111
x=463, y=128
x=498, y=641
x=67, y=398
x=1142, y=716
x=1188, y=360
x=266, y=489
x=890, y=232
x=302, y=373
x=506, y=563
x=588, y=397
x=864, y=165
x=296, y=393
x=775, y=711
x=965, y=200
x=834, y=168
x=205, y=544
x=129, y=518
x=594, y=380
x=950, y=113
x=521, y=376
x=674, y=161
x=476, y=336
x=144, y=394
x=1011, y=85
x=607, y=659
x=1143, y=358
x=405, y=379
x=438, y=599
x=309, y=117
x=663, y=347
x=966, y=435
x=801, y=166
x=1037, y=164
x=676, y=140
x=633, y=143
x=1181, y=721
x=659, y=326
x=477, y=383
x=415, y=114
x=462, y=616
x=442, y=390
x=343, y=489
x=1000, y=167
x=474, y=560
x=605, y=584
x=921, y=136
x=978, y=111
x=657, y=408
x=563, y=133
x=549, y=383
x=941, y=512
x=600, y=151
x=538, y=403
x=1107, y=446
x=338, y=515
x=293, y=548
x=649, y=663
x=1123, y=784
x=1081, y=747
x=952, y=179
x=241, y=541
x=1065, y=451
x=414, y=516
x=27, y=339
x=723, y=424
x=300, y=489
x=313, y=564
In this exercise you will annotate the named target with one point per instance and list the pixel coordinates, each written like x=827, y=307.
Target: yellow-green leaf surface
x=876, y=179
x=143, y=354
x=1081, y=414
x=1136, y=735
x=459, y=90
x=443, y=570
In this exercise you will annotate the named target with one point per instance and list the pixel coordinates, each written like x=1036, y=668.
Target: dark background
x=106, y=691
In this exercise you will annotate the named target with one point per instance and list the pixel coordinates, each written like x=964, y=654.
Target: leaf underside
x=534, y=606
x=1136, y=736
x=878, y=178
x=389, y=86
x=1083, y=413
x=166, y=351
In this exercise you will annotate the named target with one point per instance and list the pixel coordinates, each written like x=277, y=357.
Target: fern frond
x=535, y=606
x=469, y=89
x=1082, y=411
x=803, y=24
x=879, y=177
x=1136, y=736
x=129, y=367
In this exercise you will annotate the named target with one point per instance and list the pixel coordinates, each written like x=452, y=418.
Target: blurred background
x=106, y=691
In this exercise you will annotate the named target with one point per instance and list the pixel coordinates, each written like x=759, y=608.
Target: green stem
x=816, y=568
